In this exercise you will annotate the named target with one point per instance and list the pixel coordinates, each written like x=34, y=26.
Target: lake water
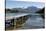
x=33, y=20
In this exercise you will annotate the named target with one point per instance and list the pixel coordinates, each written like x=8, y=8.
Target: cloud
x=29, y=0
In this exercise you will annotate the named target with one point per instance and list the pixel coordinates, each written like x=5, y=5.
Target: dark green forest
x=42, y=11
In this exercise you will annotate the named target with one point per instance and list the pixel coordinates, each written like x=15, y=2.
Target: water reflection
x=34, y=21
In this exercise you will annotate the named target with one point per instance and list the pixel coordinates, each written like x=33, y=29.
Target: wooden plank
x=11, y=17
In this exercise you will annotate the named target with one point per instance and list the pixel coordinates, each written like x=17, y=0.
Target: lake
x=34, y=21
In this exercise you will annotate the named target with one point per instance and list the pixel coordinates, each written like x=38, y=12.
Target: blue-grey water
x=33, y=20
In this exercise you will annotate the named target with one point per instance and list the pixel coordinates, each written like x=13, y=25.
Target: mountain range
x=31, y=9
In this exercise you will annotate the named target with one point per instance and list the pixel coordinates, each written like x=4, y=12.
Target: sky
x=23, y=4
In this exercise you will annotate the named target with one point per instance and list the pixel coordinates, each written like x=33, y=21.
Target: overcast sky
x=23, y=4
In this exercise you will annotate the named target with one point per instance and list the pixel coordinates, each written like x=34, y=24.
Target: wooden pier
x=17, y=22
